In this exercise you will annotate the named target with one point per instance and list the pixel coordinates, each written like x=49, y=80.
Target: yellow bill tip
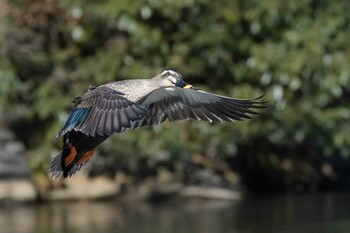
x=188, y=86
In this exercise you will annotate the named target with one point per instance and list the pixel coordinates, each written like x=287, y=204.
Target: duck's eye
x=166, y=74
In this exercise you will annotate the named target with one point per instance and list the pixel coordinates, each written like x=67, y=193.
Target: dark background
x=297, y=52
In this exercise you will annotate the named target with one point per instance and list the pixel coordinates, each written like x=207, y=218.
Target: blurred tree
x=297, y=52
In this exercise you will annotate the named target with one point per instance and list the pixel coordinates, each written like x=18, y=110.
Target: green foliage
x=295, y=51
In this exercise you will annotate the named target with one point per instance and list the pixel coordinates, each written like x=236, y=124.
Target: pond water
x=328, y=213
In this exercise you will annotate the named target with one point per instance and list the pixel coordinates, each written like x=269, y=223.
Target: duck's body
x=124, y=105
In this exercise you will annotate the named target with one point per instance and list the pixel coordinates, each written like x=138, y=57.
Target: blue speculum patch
x=77, y=117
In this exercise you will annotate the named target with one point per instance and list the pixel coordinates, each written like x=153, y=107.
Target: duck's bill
x=185, y=85
x=188, y=86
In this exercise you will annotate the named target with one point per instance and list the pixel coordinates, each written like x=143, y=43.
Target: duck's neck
x=139, y=88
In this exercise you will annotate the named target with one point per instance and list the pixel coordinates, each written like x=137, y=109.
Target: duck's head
x=170, y=77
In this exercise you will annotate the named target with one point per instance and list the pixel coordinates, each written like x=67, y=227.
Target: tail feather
x=55, y=166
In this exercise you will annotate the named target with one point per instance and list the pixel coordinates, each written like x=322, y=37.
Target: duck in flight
x=125, y=105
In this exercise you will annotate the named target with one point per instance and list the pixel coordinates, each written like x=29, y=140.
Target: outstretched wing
x=175, y=103
x=102, y=111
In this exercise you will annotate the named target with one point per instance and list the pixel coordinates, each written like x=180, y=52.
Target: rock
x=80, y=187
x=12, y=161
x=17, y=190
x=211, y=193
x=15, y=175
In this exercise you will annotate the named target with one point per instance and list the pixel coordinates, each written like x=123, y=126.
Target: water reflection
x=309, y=214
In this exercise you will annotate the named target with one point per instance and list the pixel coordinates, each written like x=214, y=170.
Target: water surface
x=329, y=213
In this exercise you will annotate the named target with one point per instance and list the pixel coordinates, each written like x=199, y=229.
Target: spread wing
x=102, y=111
x=175, y=103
